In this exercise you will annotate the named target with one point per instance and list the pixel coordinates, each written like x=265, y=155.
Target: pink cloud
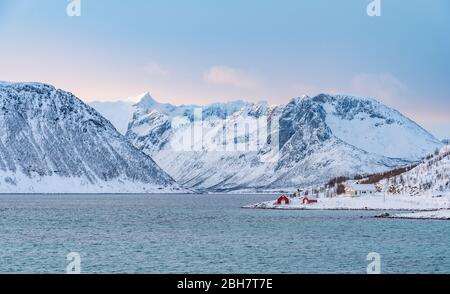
x=228, y=76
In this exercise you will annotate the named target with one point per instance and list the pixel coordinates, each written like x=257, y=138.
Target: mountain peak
x=27, y=86
x=145, y=99
x=55, y=143
x=323, y=97
x=6, y=83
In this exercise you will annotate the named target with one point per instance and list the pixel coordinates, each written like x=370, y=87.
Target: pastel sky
x=202, y=51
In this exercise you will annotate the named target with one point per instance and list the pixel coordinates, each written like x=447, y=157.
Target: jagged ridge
x=320, y=137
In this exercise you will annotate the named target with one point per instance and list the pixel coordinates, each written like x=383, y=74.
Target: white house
x=357, y=190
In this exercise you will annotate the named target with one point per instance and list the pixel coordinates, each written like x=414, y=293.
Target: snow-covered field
x=438, y=214
x=375, y=202
x=17, y=183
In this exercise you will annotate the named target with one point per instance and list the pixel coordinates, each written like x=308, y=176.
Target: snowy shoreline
x=443, y=214
x=426, y=207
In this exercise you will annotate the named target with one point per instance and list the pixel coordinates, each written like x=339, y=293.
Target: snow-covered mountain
x=432, y=176
x=319, y=138
x=51, y=142
x=375, y=128
x=119, y=113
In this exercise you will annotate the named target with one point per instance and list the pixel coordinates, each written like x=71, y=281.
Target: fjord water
x=207, y=234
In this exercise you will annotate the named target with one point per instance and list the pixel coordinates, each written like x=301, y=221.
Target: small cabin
x=283, y=200
x=307, y=200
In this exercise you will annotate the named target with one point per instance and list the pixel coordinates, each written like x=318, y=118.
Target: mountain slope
x=369, y=125
x=432, y=176
x=119, y=113
x=319, y=138
x=51, y=142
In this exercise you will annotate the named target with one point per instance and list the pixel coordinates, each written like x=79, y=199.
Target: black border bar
x=227, y=283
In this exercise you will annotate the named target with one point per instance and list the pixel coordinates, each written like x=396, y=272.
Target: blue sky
x=201, y=51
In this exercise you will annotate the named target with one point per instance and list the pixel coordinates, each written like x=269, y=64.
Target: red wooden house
x=307, y=200
x=283, y=200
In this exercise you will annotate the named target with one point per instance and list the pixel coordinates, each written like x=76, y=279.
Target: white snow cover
x=426, y=187
x=438, y=214
x=320, y=138
x=374, y=202
x=51, y=142
x=119, y=113
x=18, y=183
x=387, y=133
x=431, y=177
x=221, y=110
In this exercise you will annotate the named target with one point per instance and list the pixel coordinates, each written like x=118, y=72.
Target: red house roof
x=283, y=199
x=308, y=201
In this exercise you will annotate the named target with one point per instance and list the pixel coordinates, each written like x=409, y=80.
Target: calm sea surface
x=207, y=234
